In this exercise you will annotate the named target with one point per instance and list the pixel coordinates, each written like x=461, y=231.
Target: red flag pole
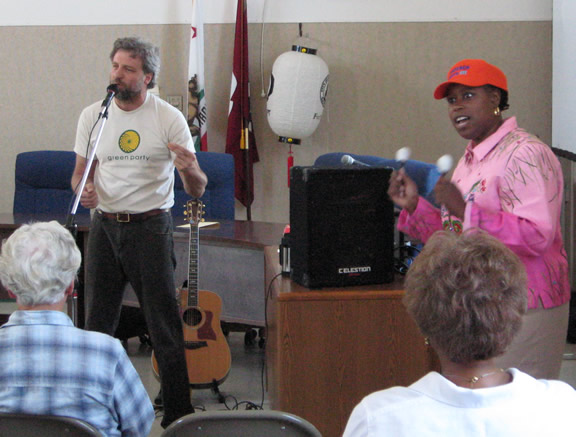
x=245, y=142
x=245, y=135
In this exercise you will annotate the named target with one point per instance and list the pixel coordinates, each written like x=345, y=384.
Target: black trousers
x=141, y=253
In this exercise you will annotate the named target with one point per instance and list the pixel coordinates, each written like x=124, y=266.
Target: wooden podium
x=328, y=348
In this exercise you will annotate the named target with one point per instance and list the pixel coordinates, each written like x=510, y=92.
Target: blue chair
x=218, y=198
x=42, y=184
x=42, y=180
x=424, y=174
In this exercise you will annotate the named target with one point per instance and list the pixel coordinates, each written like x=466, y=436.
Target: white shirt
x=135, y=171
x=434, y=406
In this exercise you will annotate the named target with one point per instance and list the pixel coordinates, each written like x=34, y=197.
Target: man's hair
x=467, y=294
x=149, y=53
x=38, y=262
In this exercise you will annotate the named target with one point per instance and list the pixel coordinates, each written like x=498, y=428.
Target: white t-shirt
x=135, y=171
x=434, y=406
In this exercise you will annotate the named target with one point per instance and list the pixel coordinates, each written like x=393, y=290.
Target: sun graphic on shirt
x=129, y=141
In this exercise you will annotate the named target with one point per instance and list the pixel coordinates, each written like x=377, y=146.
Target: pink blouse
x=512, y=184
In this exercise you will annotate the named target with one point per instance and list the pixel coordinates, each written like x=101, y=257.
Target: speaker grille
x=341, y=226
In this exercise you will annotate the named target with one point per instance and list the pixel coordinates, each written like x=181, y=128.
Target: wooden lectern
x=328, y=348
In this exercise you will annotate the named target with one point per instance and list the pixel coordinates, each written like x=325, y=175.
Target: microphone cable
x=402, y=265
x=249, y=405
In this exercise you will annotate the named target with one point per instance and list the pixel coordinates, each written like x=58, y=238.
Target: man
x=48, y=366
x=131, y=186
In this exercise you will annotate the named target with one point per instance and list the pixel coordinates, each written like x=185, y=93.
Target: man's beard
x=127, y=95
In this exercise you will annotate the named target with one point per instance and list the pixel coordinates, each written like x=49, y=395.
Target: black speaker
x=341, y=226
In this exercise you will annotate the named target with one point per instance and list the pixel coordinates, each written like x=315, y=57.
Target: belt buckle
x=123, y=217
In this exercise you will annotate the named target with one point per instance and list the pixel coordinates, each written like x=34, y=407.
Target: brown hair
x=147, y=52
x=467, y=294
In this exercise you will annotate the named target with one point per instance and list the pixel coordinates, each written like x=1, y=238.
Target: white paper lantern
x=298, y=89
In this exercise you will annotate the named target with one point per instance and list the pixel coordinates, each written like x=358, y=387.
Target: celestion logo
x=348, y=270
x=129, y=141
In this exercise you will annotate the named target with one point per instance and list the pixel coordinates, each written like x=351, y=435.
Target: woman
x=510, y=184
x=467, y=295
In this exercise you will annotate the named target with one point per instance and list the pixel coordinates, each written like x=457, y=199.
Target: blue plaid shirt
x=48, y=366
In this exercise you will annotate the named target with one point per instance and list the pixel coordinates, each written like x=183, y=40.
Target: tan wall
x=382, y=76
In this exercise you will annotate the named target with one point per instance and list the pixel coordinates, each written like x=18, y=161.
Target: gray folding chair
x=241, y=423
x=31, y=425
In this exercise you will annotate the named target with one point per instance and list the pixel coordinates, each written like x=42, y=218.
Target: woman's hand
x=447, y=194
x=403, y=191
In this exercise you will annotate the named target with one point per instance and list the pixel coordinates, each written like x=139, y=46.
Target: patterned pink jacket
x=512, y=184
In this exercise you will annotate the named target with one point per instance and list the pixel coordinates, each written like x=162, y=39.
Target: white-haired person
x=47, y=365
x=467, y=294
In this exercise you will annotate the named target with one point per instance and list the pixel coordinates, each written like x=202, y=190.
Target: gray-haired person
x=131, y=188
x=47, y=365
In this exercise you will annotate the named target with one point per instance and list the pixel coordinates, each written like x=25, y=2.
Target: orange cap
x=472, y=72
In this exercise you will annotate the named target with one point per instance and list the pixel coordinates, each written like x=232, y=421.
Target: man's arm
x=89, y=198
x=193, y=178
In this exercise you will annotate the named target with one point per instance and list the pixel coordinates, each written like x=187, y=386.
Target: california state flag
x=197, y=117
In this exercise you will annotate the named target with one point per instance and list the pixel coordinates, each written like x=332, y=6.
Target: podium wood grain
x=328, y=348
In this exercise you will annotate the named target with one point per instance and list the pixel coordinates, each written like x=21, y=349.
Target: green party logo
x=129, y=141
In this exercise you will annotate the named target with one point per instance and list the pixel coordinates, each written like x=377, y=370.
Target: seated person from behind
x=467, y=294
x=48, y=366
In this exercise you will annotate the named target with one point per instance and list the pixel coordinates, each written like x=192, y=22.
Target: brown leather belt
x=126, y=217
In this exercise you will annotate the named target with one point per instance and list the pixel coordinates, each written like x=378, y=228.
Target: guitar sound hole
x=192, y=316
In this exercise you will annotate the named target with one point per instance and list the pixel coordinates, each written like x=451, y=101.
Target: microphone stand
x=71, y=224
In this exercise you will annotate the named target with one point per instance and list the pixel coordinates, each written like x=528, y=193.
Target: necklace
x=473, y=380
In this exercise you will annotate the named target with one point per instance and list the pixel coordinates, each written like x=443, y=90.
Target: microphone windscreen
x=403, y=154
x=347, y=160
x=444, y=164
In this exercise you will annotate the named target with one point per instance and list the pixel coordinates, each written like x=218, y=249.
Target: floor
x=242, y=389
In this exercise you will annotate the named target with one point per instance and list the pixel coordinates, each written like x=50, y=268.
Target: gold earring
x=497, y=111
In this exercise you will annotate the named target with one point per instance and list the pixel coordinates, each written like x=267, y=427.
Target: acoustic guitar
x=208, y=357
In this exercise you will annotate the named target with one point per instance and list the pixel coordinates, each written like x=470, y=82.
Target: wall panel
x=382, y=76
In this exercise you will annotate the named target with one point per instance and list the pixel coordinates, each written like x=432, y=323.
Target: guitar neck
x=193, y=266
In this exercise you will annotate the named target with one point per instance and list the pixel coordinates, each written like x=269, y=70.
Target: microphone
x=348, y=160
x=444, y=164
x=403, y=155
x=112, y=91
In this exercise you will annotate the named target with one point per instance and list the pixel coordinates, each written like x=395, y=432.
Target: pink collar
x=481, y=150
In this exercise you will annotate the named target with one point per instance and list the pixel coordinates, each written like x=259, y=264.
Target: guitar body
x=208, y=357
